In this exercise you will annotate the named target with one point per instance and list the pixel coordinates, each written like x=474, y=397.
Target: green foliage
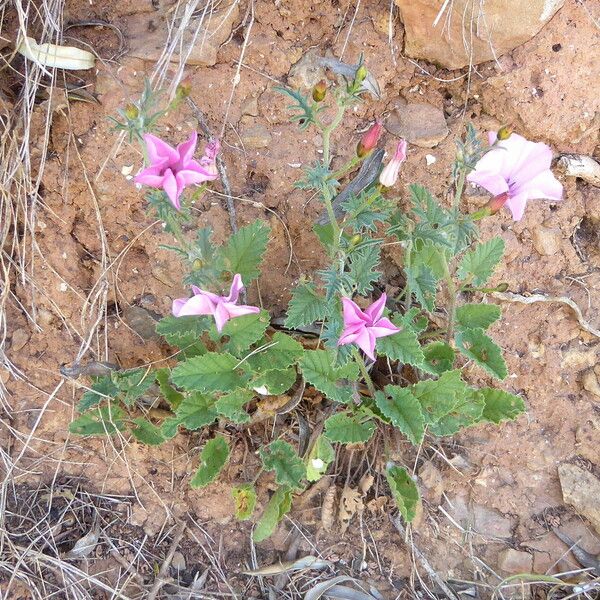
x=466, y=412
x=183, y=331
x=363, y=265
x=212, y=372
x=478, y=265
x=195, y=411
x=402, y=346
x=279, y=352
x=102, y=389
x=422, y=283
x=277, y=507
x=279, y=456
x=439, y=357
x=349, y=428
x=244, y=331
x=133, y=384
x=244, y=251
x=439, y=396
x=306, y=111
x=404, y=491
x=475, y=316
x=476, y=345
x=275, y=381
x=147, y=433
x=244, y=498
x=319, y=458
x=232, y=405
x=305, y=307
x=170, y=394
x=501, y=406
x=335, y=382
x=213, y=458
x=403, y=411
x=103, y=420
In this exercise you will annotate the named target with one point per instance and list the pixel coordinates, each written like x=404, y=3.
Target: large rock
x=418, y=123
x=470, y=32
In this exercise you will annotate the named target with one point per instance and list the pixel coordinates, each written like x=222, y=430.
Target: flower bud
x=184, y=89
x=369, y=140
x=360, y=75
x=503, y=133
x=355, y=240
x=131, y=111
x=502, y=287
x=389, y=175
x=319, y=91
x=497, y=202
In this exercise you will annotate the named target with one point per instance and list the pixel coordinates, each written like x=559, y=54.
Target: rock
x=257, y=136
x=147, y=36
x=581, y=489
x=576, y=360
x=250, y=107
x=307, y=72
x=590, y=382
x=432, y=483
x=490, y=29
x=581, y=166
x=141, y=321
x=178, y=561
x=513, y=561
x=546, y=240
x=19, y=338
x=586, y=438
x=418, y=123
x=485, y=521
x=547, y=553
x=138, y=515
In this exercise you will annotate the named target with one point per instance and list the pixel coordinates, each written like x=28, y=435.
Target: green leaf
x=439, y=396
x=501, y=406
x=348, y=429
x=334, y=382
x=244, y=331
x=194, y=412
x=274, y=382
x=171, y=395
x=403, y=411
x=473, y=316
x=476, y=345
x=423, y=285
x=279, y=456
x=104, y=420
x=430, y=255
x=282, y=350
x=319, y=458
x=439, y=357
x=102, y=389
x=244, y=499
x=183, y=331
x=244, y=250
x=147, y=433
x=134, y=384
x=277, y=507
x=363, y=265
x=466, y=412
x=307, y=110
x=402, y=346
x=213, y=458
x=232, y=405
x=404, y=491
x=481, y=262
x=212, y=372
x=305, y=307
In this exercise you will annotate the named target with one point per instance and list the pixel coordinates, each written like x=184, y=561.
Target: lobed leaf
x=363, y=265
x=439, y=357
x=231, y=405
x=279, y=456
x=102, y=389
x=439, y=396
x=467, y=411
x=105, y=420
x=476, y=345
x=402, y=346
x=477, y=316
x=213, y=458
x=244, y=250
x=280, y=352
x=196, y=410
x=404, y=491
x=306, y=306
x=349, y=429
x=479, y=264
x=422, y=283
x=274, y=382
x=212, y=372
x=134, y=384
x=183, y=331
x=403, y=411
x=244, y=331
x=147, y=433
x=334, y=382
x=501, y=406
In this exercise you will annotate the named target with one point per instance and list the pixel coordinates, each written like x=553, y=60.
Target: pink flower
x=389, y=175
x=222, y=308
x=173, y=169
x=369, y=139
x=519, y=168
x=364, y=327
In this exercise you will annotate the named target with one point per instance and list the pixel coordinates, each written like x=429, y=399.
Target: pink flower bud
x=389, y=175
x=369, y=139
x=497, y=202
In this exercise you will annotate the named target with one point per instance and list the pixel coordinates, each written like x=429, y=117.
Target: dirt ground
x=485, y=492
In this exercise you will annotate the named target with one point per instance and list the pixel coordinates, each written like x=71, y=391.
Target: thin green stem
x=452, y=302
x=327, y=131
x=460, y=186
x=363, y=370
x=353, y=162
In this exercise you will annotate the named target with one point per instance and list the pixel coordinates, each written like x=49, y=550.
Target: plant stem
x=363, y=370
x=460, y=186
x=355, y=160
x=327, y=131
x=452, y=303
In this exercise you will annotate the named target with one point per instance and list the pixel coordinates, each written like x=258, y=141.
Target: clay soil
x=484, y=492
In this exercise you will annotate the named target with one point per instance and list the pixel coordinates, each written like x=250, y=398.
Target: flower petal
x=494, y=183
x=236, y=287
x=240, y=310
x=366, y=342
x=186, y=150
x=149, y=179
x=516, y=205
x=158, y=150
x=376, y=309
x=383, y=328
x=534, y=161
x=221, y=315
x=178, y=304
x=352, y=313
x=171, y=188
x=544, y=185
x=196, y=305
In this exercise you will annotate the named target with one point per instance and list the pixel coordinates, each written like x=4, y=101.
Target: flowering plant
x=381, y=358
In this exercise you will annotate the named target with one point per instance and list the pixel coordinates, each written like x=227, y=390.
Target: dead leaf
x=52, y=55
x=307, y=562
x=328, y=508
x=85, y=545
x=366, y=483
x=377, y=504
x=350, y=503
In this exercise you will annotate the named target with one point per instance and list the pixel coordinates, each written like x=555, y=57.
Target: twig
x=160, y=578
x=397, y=523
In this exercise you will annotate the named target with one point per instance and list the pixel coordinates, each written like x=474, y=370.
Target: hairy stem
x=363, y=370
x=327, y=131
x=460, y=186
x=452, y=292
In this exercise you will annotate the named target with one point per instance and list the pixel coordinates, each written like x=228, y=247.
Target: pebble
x=581, y=489
x=590, y=382
x=178, y=561
x=250, y=107
x=513, y=561
x=433, y=483
x=547, y=241
x=307, y=72
x=482, y=520
x=418, y=123
x=141, y=321
x=19, y=338
x=257, y=136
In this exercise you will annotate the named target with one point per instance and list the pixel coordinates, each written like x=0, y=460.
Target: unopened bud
x=184, y=89
x=319, y=91
x=197, y=264
x=502, y=287
x=497, y=202
x=360, y=75
x=389, y=175
x=504, y=133
x=369, y=140
x=131, y=111
x=355, y=240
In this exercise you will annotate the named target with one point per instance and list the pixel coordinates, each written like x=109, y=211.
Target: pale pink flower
x=364, y=327
x=519, y=168
x=222, y=308
x=389, y=175
x=173, y=169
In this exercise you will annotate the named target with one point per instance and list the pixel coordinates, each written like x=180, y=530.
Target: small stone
x=547, y=552
x=513, y=561
x=587, y=436
x=141, y=321
x=433, y=483
x=576, y=360
x=418, y=123
x=547, y=241
x=255, y=137
x=492, y=524
x=138, y=515
x=178, y=561
x=581, y=489
x=250, y=107
x=307, y=72
x=19, y=338
x=590, y=382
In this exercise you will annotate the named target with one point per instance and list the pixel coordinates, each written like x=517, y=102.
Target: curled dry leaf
x=366, y=483
x=85, y=545
x=52, y=55
x=350, y=503
x=328, y=508
x=306, y=562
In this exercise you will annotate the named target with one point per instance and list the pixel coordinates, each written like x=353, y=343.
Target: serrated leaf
x=244, y=499
x=183, y=331
x=475, y=316
x=476, y=345
x=306, y=112
x=170, y=394
x=404, y=491
x=319, y=458
x=280, y=352
x=103, y=389
x=279, y=456
x=133, y=384
x=363, y=265
x=213, y=458
x=196, y=410
x=330, y=336
x=104, y=420
x=244, y=250
x=422, y=283
x=277, y=507
x=466, y=412
x=335, y=282
x=479, y=263
x=244, y=331
x=349, y=429
x=439, y=396
x=147, y=433
x=334, y=382
x=402, y=346
x=212, y=372
x=501, y=406
x=430, y=255
x=232, y=405
x=403, y=411
x=305, y=307
x=276, y=381
x=439, y=357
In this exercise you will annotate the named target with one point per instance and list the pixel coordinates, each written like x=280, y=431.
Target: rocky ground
x=492, y=496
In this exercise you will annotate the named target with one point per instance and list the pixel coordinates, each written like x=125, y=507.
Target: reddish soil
x=94, y=237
